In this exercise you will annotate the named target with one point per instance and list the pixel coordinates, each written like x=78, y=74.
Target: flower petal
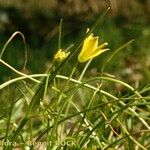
x=97, y=52
x=102, y=45
x=90, y=43
x=60, y=55
x=89, y=46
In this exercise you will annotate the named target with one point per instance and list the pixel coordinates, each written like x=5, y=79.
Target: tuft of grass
x=54, y=111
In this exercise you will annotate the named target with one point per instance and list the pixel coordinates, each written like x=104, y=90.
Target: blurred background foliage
x=39, y=21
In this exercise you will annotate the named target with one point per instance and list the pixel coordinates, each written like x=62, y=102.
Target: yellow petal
x=82, y=59
x=60, y=55
x=87, y=30
x=89, y=46
x=90, y=42
x=98, y=52
x=103, y=45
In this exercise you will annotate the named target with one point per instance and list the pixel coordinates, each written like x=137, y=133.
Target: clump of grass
x=54, y=111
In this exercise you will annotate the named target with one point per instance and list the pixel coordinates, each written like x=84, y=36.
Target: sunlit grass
x=54, y=111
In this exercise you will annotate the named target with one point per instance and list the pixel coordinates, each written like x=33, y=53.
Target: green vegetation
x=55, y=102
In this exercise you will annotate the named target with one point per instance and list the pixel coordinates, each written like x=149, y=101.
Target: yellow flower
x=60, y=55
x=90, y=48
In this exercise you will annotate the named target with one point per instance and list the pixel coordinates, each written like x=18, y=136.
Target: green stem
x=114, y=53
x=59, y=36
x=91, y=87
x=84, y=70
x=9, y=40
x=18, y=72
